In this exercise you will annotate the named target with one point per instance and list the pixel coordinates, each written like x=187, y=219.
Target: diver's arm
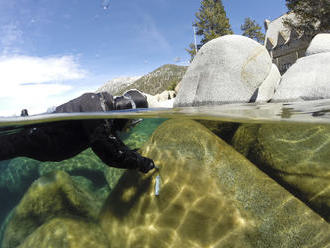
x=112, y=151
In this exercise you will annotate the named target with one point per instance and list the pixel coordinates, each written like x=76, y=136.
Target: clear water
x=262, y=179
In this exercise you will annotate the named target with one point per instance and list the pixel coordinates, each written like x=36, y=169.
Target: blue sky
x=52, y=51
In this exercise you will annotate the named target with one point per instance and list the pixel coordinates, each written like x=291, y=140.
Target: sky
x=54, y=51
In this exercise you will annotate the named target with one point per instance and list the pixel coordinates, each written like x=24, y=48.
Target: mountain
x=163, y=78
x=116, y=85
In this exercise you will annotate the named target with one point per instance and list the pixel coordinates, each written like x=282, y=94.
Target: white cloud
x=35, y=83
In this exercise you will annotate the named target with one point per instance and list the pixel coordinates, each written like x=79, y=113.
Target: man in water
x=64, y=139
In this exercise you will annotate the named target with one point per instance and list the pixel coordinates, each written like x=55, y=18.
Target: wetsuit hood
x=130, y=100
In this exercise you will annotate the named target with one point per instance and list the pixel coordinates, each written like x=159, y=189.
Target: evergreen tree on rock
x=313, y=16
x=252, y=30
x=211, y=22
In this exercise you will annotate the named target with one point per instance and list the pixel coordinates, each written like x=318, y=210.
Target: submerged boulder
x=49, y=197
x=19, y=175
x=88, y=165
x=67, y=233
x=225, y=70
x=224, y=130
x=210, y=196
x=297, y=156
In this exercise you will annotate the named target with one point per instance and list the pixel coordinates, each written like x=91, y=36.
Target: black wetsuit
x=62, y=140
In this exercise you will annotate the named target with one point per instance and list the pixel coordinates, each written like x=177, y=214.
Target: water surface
x=288, y=143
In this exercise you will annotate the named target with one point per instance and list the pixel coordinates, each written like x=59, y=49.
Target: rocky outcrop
x=210, y=195
x=163, y=78
x=49, y=197
x=309, y=77
x=226, y=70
x=297, y=156
x=67, y=233
x=88, y=165
x=116, y=85
x=18, y=175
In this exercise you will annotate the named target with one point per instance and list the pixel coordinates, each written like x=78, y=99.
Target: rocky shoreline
x=222, y=184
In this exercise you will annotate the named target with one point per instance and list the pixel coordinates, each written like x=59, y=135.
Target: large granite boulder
x=225, y=70
x=210, y=196
x=67, y=233
x=162, y=100
x=54, y=195
x=297, y=156
x=309, y=77
x=319, y=44
x=268, y=87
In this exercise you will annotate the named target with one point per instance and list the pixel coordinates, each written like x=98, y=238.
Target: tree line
x=212, y=22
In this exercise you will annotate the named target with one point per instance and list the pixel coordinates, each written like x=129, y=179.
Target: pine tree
x=211, y=22
x=252, y=30
x=192, y=51
x=313, y=16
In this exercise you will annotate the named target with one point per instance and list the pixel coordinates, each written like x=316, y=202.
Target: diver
x=61, y=140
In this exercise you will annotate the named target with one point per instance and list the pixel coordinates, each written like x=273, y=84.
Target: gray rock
x=48, y=197
x=307, y=79
x=162, y=100
x=319, y=44
x=64, y=232
x=226, y=70
x=267, y=88
x=19, y=175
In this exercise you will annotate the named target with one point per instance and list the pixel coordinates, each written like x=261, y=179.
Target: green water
x=231, y=176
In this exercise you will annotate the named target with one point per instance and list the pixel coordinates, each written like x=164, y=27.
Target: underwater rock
x=67, y=233
x=85, y=164
x=297, y=156
x=210, y=196
x=4, y=224
x=228, y=69
x=224, y=130
x=15, y=178
x=49, y=197
x=100, y=193
x=137, y=136
x=19, y=175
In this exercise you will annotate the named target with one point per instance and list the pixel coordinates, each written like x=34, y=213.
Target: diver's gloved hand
x=146, y=164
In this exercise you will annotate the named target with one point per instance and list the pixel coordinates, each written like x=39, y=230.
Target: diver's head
x=130, y=100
